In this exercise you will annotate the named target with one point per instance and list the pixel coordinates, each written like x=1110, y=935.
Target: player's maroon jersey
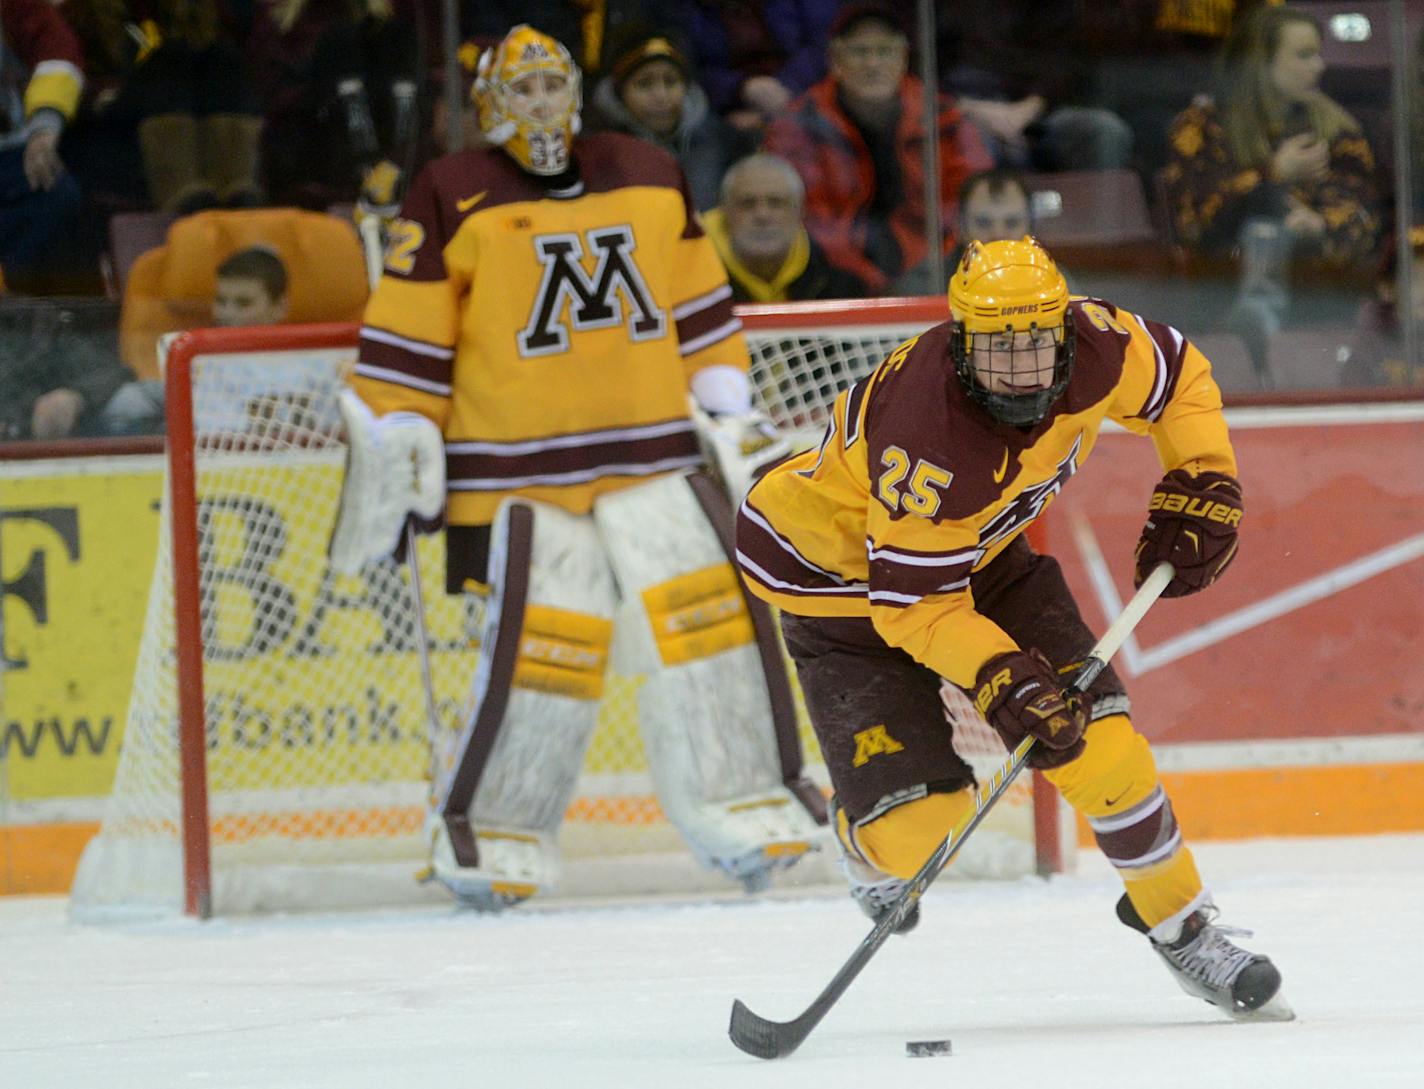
x=914, y=487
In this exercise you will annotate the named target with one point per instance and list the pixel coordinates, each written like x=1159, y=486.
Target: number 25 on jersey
x=922, y=497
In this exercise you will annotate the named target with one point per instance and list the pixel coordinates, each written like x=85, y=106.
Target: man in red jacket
x=856, y=138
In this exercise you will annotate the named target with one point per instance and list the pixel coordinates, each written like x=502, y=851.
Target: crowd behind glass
x=1243, y=169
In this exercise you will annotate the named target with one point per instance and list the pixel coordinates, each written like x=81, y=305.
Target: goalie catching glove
x=1191, y=523
x=740, y=446
x=395, y=469
x=1019, y=694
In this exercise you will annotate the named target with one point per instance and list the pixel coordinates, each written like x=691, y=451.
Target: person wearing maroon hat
x=856, y=139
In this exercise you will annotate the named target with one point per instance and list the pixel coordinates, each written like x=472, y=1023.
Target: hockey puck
x=918, y=1049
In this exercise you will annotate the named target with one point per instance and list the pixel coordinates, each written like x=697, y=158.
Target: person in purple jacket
x=753, y=58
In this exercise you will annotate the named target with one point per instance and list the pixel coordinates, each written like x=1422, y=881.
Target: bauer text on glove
x=1020, y=694
x=1192, y=523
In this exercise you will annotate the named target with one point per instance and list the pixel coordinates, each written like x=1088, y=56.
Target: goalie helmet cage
x=277, y=750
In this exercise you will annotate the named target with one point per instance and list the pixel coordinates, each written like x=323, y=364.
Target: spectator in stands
x=856, y=140
x=170, y=73
x=1376, y=355
x=1147, y=58
x=1013, y=69
x=759, y=235
x=58, y=370
x=251, y=289
x=342, y=85
x=752, y=57
x=40, y=82
x=649, y=93
x=1277, y=169
x=994, y=206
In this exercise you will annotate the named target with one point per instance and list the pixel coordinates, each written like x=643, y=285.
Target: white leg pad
x=548, y=664
x=703, y=709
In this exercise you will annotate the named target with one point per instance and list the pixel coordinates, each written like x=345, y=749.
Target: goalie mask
x=527, y=98
x=1011, y=344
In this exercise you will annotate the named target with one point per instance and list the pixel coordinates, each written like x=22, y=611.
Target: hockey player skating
x=897, y=555
x=524, y=367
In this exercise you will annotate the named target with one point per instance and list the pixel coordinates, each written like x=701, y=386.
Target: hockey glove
x=741, y=446
x=1019, y=694
x=1191, y=523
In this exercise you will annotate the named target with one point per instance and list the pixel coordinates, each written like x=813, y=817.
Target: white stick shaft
x=1150, y=590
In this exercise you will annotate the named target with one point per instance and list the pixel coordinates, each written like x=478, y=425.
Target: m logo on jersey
x=569, y=296
x=1029, y=503
x=875, y=741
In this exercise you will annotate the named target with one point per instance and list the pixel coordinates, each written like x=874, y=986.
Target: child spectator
x=39, y=200
x=648, y=92
x=856, y=139
x=251, y=289
x=759, y=235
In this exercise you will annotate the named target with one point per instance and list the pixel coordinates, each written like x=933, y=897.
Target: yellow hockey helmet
x=1009, y=302
x=527, y=96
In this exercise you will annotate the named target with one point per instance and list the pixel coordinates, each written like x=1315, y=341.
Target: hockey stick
x=776, y=1039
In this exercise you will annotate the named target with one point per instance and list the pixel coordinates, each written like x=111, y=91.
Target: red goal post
x=277, y=747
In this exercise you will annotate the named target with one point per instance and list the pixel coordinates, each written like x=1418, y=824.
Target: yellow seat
x=171, y=288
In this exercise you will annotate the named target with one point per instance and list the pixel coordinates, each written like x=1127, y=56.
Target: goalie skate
x=1208, y=965
x=511, y=866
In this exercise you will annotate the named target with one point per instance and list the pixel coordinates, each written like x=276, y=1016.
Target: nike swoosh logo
x=1004, y=468
x=469, y=202
x=1114, y=801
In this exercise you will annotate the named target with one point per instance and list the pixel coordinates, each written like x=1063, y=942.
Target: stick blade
x=757, y=1036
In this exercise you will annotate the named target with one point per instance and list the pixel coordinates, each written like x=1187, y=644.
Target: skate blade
x=1277, y=1009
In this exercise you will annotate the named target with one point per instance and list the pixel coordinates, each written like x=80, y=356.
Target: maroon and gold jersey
x=551, y=334
x=914, y=487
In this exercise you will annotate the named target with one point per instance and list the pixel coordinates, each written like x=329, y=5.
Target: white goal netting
x=314, y=720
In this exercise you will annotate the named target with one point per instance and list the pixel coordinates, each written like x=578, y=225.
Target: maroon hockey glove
x=1191, y=523
x=1020, y=694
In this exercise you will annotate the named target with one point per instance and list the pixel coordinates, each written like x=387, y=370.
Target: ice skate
x=1208, y=965
x=875, y=892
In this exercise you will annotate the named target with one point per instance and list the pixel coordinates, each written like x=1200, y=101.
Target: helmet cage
x=1018, y=409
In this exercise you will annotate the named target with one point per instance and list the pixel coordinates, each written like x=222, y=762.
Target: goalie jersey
x=551, y=334
x=914, y=487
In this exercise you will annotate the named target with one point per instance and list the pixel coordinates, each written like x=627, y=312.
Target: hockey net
x=277, y=748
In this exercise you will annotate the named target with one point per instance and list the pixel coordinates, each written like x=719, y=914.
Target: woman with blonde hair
x=1275, y=148
x=1276, y=175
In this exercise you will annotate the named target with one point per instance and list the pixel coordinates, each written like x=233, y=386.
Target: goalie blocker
x=715, y=708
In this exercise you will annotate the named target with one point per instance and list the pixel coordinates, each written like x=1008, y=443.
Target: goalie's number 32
x=923, y=494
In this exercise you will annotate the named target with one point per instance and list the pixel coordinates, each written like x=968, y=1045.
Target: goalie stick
x=766, y=1039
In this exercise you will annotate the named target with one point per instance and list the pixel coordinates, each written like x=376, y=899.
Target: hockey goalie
x=546, y=306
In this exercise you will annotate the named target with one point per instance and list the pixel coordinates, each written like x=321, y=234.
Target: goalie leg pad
x=704, y=709
x=503, y=790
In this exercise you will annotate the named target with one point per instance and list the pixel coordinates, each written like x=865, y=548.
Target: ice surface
x=1036, y=983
